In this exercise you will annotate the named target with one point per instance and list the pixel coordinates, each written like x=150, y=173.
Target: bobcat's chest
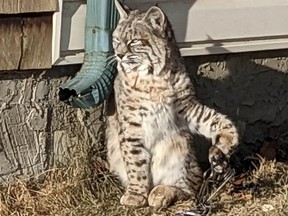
x=149, y=101
x=161, y=122
x=147, y=87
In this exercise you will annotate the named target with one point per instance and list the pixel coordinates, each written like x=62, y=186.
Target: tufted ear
x=155, y=17
x=122, y=9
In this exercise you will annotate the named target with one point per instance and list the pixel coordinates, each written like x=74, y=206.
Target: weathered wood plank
x=37, y=6
x=8, y=7
x=37, y=43
x=27, y=6
x=10, y=43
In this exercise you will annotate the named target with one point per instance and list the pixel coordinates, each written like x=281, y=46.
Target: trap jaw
x=210, y=177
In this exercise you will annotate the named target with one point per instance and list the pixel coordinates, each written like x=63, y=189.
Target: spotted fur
x=154, y=113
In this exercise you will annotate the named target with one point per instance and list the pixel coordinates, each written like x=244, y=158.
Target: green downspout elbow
x=94, y=82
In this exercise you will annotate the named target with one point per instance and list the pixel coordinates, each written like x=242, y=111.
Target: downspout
x=94, y=82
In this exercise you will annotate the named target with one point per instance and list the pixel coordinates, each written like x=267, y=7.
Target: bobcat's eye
x=115, y=41
x=135, y=42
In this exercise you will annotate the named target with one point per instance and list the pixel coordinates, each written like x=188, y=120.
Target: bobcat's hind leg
x=175, y=170
x=162, y=196
x=114, y=156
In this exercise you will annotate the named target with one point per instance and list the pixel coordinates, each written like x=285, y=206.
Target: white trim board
x=56, y=34
x=202, y=27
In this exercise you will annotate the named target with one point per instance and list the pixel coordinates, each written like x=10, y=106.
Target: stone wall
x=37, y=131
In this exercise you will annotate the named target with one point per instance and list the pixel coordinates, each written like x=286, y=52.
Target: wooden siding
x=26, y=42
x=27, y=6
x=10, y=43
x=37, y=43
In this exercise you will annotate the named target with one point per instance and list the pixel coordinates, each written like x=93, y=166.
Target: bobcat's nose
x=120, y=56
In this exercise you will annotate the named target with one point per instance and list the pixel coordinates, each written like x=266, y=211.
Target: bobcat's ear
x=156, y=17
x=122, y=9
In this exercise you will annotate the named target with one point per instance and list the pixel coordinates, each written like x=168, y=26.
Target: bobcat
x=154, y=113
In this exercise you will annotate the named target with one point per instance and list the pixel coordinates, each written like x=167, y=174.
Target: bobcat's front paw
x=217, y=159
x=135, y=200
x=226, y=141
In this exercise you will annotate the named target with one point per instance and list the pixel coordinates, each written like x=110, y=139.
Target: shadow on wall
x=252, y=89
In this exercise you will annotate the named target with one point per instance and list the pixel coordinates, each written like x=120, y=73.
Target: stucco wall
x=37, y=131
x=251, y=88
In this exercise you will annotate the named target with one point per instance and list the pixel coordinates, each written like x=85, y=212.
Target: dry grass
x=78, y=191
x=268, y=196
